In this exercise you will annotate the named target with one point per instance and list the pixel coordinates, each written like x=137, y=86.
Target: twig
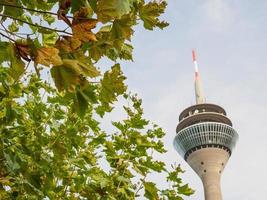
x=38, y=11
x=7, y=37
x=29, y=9
x=5, y=30
x=40, y=26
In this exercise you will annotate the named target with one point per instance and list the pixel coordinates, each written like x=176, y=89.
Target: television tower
x=205, y=138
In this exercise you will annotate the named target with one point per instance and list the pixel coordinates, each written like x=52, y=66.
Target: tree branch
x=4, y=30
x=40, y=26
x=37, y=11
x=29, y=9
x=7, y=37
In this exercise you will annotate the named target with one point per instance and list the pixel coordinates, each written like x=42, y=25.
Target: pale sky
x=230, y=37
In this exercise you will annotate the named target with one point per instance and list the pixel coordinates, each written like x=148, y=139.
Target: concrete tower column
x=205, y=139
x=211, y=183
x=209, y=163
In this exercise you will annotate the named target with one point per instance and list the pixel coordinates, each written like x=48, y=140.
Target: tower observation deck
x=205, y=138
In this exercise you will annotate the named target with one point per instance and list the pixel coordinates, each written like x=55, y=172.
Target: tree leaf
x=185, y=190
x=150, y=12
x=112, y=9
x=122, y=28
x=49, y=39
x=24, y=50
x=49, y=18
x=64, y=5
x=112, y=85
x=151, y=192
x=84, y=68
x=13, y=27
x=4, y=51
x=68, y=75
x=82, y=30
x=126, y=52
x=68, y=44
x=48, y=56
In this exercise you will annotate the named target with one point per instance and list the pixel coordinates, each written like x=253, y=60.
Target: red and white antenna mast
x=198, y=85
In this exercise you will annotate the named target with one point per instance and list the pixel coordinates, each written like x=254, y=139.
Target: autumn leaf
x=84, y=12
x=68, y=75
x=82, y=30
x=63, y=9
x=122, y=28
x=23, y=51
x=82, y=67
x=48, y=56
x=65, y=77
x=68, y=44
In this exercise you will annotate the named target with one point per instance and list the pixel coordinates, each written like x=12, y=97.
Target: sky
x=231, y=43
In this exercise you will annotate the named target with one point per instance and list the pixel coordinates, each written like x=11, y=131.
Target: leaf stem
x=40, y=26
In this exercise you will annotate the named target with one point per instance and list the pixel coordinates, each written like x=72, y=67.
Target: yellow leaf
x=68, y=44
x=48, y=56
x=68, y=75
x=82, y=30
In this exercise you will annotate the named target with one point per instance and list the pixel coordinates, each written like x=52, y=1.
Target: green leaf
x=4, y=51
x=151, y=191
x=68, y=75
x=150, y=12
x=126, y=52
x=185, y=190
x=122, y=28
x=80, y=104
x=93, y=4
x=49, y=39
x=13, y=27
x=49, y=18
x=83, y=98
x=112, y=84
x=77, y=4
x=112, y=9
x=11, y=11
x=8, y=53
x=17, y=66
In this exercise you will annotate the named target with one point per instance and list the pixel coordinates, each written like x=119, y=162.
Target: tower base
x=209, y=163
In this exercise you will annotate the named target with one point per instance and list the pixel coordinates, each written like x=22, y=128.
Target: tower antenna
x=198, y=85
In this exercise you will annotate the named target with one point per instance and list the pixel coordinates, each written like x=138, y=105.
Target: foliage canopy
x=52, y=144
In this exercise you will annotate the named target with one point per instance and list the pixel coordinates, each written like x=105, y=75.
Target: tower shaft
x=205, y=138
x=209, y=163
